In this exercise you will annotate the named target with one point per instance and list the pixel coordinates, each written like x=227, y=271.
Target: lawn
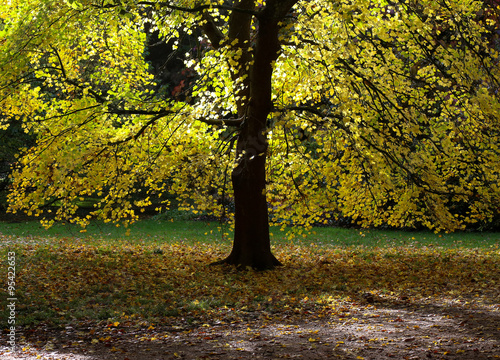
x=153, y=230
x=156, y=275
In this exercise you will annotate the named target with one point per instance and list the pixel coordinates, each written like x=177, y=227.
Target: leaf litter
x=103, y=300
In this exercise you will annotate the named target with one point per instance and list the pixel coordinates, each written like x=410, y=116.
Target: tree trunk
x=252, y=246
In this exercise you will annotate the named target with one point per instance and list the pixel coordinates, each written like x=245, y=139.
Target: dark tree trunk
x=251, y=246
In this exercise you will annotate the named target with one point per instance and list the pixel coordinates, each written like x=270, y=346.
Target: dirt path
x=377, y=331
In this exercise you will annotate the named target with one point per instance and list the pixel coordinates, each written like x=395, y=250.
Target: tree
x=386, y=112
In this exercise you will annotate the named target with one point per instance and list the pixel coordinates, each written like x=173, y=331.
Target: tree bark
x=252, y=246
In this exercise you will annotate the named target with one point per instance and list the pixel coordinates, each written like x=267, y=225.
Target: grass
x=390, y=238
x=144, y=231
x=154, y=230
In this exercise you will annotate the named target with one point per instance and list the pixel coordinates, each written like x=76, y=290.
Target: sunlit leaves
x=403, y=100
x=383, y=113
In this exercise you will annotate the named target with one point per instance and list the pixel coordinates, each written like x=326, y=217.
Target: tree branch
x=162, y=112
x=316, y=112
x=224, y=122
x=413, y=176
x=142, y=129
x=60, y=61
x=211, y=30
x=200, y=8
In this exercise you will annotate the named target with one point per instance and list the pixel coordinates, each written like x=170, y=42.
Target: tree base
x=269, y=263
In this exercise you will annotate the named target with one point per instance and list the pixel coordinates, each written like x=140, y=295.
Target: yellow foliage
x=386, y=114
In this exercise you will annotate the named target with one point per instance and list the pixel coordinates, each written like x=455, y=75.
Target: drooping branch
x=141, y=130
x=391, y=158
x=318, y=113
x=157, y=115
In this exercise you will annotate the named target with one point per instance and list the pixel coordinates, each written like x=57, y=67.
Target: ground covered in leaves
x=103, y=300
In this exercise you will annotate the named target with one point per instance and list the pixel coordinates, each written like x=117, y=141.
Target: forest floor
x=374, y=330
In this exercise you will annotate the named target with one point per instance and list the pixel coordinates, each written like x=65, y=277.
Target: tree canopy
x=386, y=112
